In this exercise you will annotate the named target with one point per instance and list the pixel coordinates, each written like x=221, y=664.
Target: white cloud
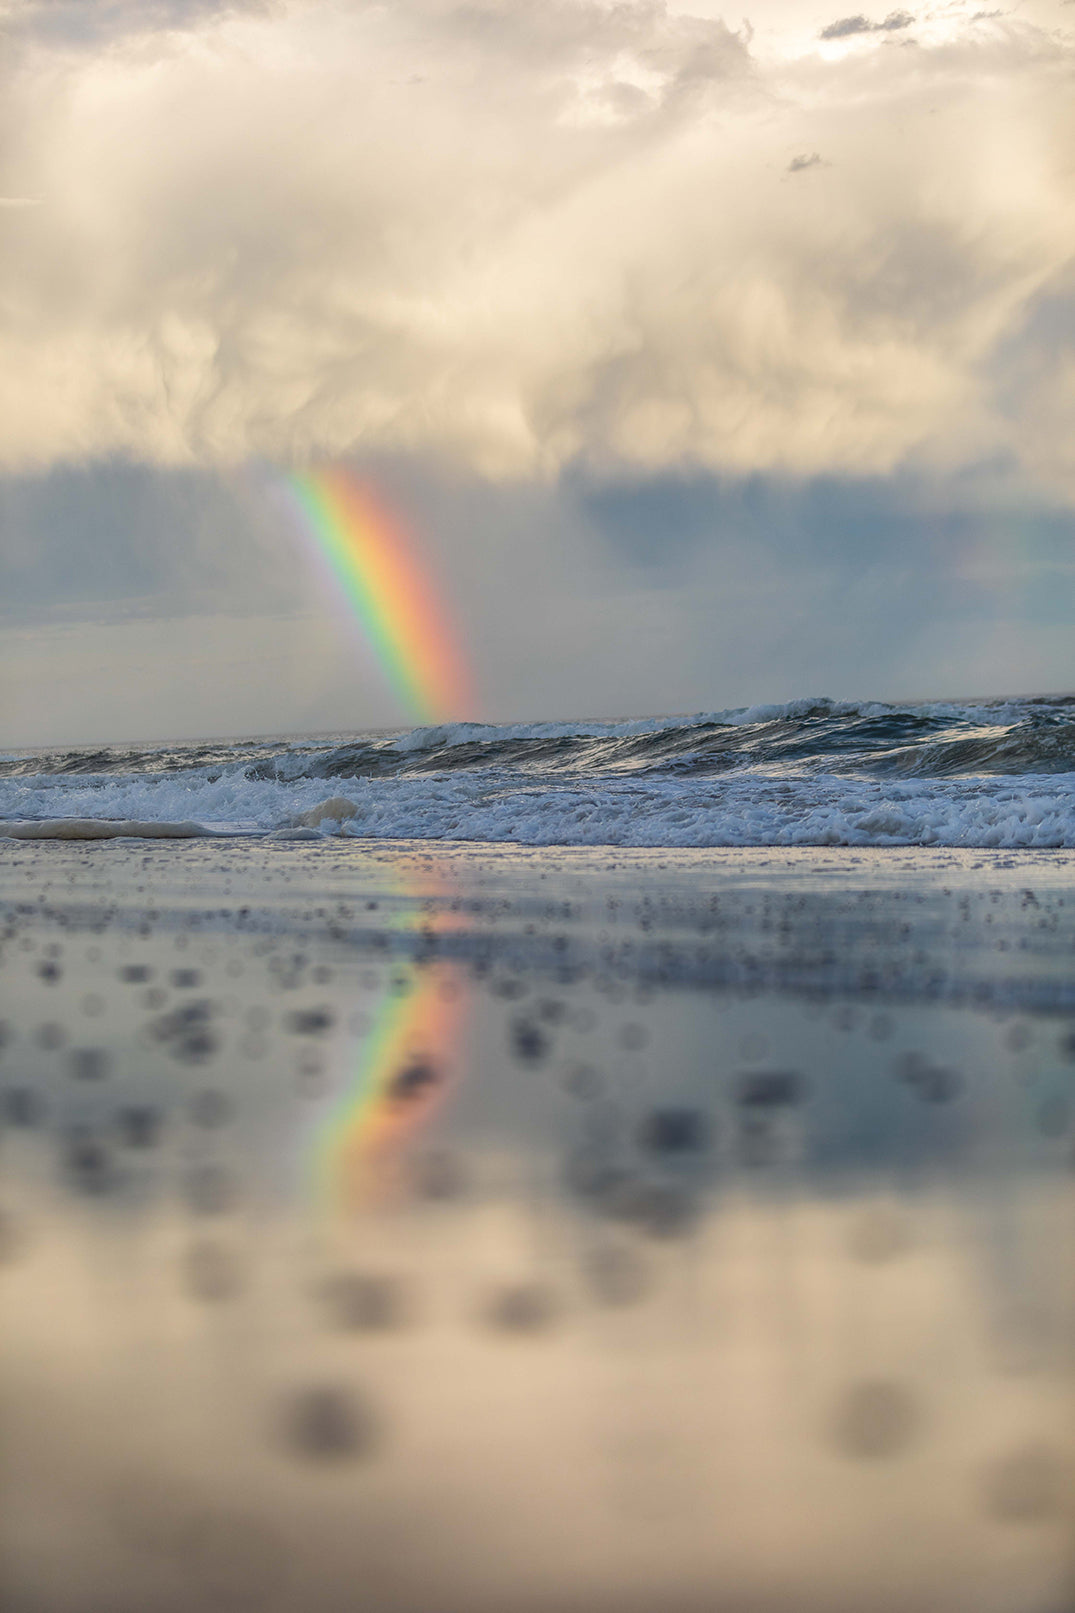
x=521, y=236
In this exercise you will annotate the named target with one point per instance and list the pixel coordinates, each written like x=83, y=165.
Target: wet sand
x=410, y=1226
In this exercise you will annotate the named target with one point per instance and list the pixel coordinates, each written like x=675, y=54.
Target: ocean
x=808, y=773
x=545, y=1167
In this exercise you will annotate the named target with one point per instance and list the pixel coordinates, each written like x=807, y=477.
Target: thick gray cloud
x=708, y=364
x=118, y=541
x=146, y=602
x=524, y=237
x=91, y=22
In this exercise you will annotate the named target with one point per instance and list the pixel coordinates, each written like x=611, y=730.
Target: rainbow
x=373, y=571
x=403, y=1075
x=405, y=1069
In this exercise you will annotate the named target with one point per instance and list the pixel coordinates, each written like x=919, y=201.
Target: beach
x=537, y=807
x=415, y=1224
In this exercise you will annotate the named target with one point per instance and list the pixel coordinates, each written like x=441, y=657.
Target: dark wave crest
x=813, y=737
x=939, y=740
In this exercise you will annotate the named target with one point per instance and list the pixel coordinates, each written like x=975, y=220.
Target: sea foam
x=744, y=810
x=810, y=772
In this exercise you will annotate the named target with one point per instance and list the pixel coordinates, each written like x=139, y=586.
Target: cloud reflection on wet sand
x=684, y=1295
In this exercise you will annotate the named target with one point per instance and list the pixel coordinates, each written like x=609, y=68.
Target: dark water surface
x=393, y=1225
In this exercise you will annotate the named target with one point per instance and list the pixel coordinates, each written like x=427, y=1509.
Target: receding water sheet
x=399, y=1226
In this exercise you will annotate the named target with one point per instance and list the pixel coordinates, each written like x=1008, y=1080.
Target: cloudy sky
x=710, y=354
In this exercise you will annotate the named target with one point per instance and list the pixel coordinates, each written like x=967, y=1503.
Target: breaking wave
x=809, y=772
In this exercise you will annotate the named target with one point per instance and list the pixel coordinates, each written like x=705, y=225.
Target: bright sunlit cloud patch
x=520, y=238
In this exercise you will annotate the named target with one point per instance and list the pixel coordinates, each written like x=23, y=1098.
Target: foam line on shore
x=101, y=829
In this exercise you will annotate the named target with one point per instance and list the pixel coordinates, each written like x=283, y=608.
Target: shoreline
x=885, y=923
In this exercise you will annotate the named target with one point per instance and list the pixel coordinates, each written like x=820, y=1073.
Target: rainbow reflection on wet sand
x=403, y=1227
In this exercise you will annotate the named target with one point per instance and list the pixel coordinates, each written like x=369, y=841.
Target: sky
x=708, y=356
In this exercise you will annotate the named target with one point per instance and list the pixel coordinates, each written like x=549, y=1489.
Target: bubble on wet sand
x=875, y=1420
x=770, y=1089
x=1026, y=1485
x=89, y=1063
x=310, y=1021
x=311, y=1077
x=529, y=1042
x=758, y=1143
x=88, y=1163
x=933, y=1083
x=524, y=1307
x=674, y=1131
x=23, y=1107
x=438, y=1174
x=212, y=1271
x=211, y=1109
x=210, y=1190
x=616, y=1275
x=327, y=1423
x=509, y=988
x=583, y=1081
x=140, y=1125
x=414, y=1080
x=187, y=1032
x=365, y=1301
x=656, y=1208
x=593, y=1174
